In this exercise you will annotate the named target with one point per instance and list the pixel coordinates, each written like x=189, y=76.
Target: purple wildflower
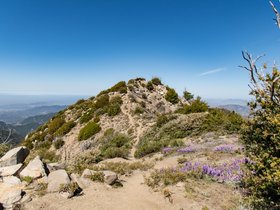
x=186, y=150
x=225, y=148
x=167, y=150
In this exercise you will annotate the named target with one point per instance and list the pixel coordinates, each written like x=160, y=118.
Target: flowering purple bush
x=225, y=172
x=225, y=148
x=166, y=150
x=186, y=150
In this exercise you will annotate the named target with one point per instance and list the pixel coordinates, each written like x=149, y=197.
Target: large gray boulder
x=11, y=180
x=81, y=181
x=9, y=195
x=110, y=177
x=10, y=170
x=14, y=156
x=55, y=166
x=34, y=169
x=56, y=179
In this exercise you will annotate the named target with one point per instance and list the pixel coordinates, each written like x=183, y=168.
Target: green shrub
x=261, y=138
x=86, y=117
x=131, y=82
x=65, y=128
x=27, y=179
x=168, y=134
x=55, y=124
x=222, y=121
x=113, y=109
x=116, y=100
x=43, y=145
x=58, y=143
x=187, y=95
x=97, y=176
x=80, y=101
x=165, y=177
x=88, y=131
x=72, y=188
x=150, y=86
x=3, y=149
x=161, y=120
x=103, y=92
x=115, y=145
x=114, y=106
x=48, y=156
x=119, y=87
x=172, y=96
x=96, y=119
x=138, y=110
x=156, y=81
x=144, y=96
x=123, y=168
x=102, y=101
x=196, y=106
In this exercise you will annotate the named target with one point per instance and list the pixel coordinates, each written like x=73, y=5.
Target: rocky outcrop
x=10, y=170
x=34, y=169
x=56, y=179
x=14, y=156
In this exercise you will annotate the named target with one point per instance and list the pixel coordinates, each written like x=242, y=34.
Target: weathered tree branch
x=252, y=65
x=277, y=20
x=6, y=141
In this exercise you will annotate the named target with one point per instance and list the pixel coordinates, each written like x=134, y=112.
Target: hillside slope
x=166, y=152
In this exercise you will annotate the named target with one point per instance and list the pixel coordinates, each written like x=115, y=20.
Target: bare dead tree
x=277, y=20
x=7, y=140
x=264, y=84
x=253, y=70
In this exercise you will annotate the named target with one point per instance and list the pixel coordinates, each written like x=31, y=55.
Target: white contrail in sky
x=214, y=71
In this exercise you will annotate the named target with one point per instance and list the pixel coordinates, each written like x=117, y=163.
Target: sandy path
x=134, y=195
x=139, y=128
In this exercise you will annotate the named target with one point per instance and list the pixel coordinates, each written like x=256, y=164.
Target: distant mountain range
x=17, y=121
x=15, y=116
x=242, y=110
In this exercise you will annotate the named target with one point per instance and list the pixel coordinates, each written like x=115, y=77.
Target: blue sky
x=81, y=47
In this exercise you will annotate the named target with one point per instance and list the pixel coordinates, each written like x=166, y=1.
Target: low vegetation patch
x=150, y=86
x=72, y=188
x=3, y=149
x=58, y=143
x=115, y=145
x=88, y=131
x=27, y=179
x=172, y=96
x=156, y=81
x=228, y=172
x=97, y=176
x=86, y=117
x=123, y=168
x=119, y=87
x=223, y=121
x=138, y=110
x=102, y=101
x=168, y=135
x=196, y=106
x=65, y=128
x=55, y=124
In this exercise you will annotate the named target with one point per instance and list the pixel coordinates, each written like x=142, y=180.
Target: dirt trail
x=134, y=195
x=139, y=128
